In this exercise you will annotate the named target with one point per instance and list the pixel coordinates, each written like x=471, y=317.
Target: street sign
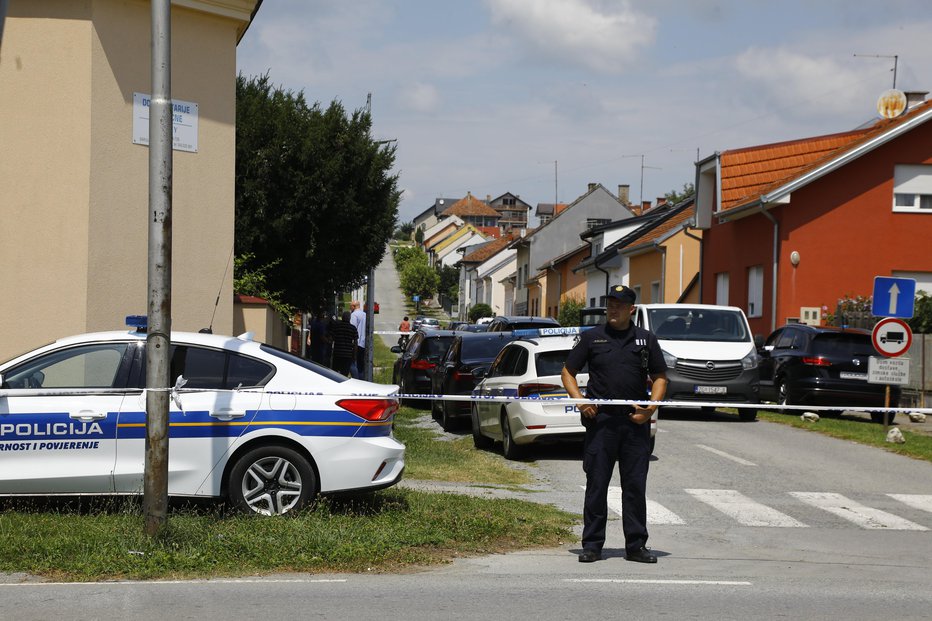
x=415, y=298
x=893, y=297
x=892, y=337
x=887, y=370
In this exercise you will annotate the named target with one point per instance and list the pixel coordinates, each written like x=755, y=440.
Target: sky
x=542, y=97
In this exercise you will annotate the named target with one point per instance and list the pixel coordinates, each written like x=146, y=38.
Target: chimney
x=914, y=97
x=661, y=200
x=645, y=206
x=624, y=191
x=592, y=186
x=488, y=198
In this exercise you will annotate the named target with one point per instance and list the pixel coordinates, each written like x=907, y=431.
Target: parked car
x=429, y=323
x=820, y=365
x=415, y=366
x=465, y=326
x=709, y=352
x=251, y=424
x=529, y=367
x=454, y=373
x=592, y=316
x=512, y=322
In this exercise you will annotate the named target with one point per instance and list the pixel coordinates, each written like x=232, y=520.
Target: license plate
x=710, y=390
x=853, y=376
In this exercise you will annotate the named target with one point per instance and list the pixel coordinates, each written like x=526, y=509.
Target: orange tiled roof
x=661, y=230
x=490, y=231
x=749, y=173
x=487, y=250
x=470, y=206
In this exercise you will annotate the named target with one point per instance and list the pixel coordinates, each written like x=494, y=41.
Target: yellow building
x=74, y=239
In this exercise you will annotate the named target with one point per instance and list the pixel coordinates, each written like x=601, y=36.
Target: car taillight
x=421, y=364
x=526, y=390
x=817, y=361
x=370, y=409
x=461, y=375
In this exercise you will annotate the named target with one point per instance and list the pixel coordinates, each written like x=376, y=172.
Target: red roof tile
x=470, y=206
x=487, y=250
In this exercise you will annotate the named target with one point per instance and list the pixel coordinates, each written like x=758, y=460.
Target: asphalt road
x=750, y=520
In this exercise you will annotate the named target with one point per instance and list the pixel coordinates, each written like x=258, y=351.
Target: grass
x=917, y=446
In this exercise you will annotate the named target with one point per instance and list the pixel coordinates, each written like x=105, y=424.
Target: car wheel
x=748, y=415
x=479, y=441
x=271, y=480
x=877, y=417
x=509, y=449
x=783, y=395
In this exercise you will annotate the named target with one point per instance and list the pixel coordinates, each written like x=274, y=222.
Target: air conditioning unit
x=810, y=315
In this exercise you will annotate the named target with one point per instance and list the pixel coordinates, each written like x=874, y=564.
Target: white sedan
x=253, y=424
x=529, y=367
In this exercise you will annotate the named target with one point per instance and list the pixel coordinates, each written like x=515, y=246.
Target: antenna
x=210, y=328
x=895, y=58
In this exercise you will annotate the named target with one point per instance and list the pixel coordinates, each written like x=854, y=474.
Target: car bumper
x=820, y=391
x=745, y=388
x=544, y=422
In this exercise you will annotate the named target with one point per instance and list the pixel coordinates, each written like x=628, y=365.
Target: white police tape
x=177, y=392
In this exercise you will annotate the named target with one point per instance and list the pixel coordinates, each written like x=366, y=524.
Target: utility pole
x=159, y=216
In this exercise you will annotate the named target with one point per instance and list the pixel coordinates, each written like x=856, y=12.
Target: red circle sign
x=892, y=337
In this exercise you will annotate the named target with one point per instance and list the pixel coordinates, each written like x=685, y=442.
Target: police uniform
x=620, y=362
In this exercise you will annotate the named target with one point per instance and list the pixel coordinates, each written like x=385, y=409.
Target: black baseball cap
x=623, y=293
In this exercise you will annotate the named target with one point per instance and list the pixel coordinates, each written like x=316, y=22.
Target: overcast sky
x=485, y=95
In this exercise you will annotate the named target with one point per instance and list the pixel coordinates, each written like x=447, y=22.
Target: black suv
x=416, y=364
x=506, y=323
x=820, y=365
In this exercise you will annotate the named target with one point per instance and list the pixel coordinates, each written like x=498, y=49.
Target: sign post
x=892, y=338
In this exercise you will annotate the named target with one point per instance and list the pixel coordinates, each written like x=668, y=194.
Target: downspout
x=663, y=271
x=595, y=264
x=776, y=249
x=560, y=280
x=698, y=239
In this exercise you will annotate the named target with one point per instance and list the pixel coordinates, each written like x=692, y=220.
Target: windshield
x=484, y=348
x=841, y=344
x=699, y=324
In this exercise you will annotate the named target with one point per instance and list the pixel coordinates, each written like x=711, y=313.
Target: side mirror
x=759, y=341
x=480, y=372
x=396, y=349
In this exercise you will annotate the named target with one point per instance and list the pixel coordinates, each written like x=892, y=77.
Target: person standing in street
x=621, y=356
x=358, y=319
x=405, y=328
x=344, y=337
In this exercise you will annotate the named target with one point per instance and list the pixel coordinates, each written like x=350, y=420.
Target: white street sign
x=184, y=123
x=882, y=370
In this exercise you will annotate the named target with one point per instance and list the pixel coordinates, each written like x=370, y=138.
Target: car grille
x=699, y=371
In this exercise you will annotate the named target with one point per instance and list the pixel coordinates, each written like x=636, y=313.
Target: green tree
x=408, y=255
x=673, y=197
x=479, y=311
x=404, y=230
x=248, y=281
x=419, y=279
x=921, y=322
x=569, y=311
x=419, y=235
x=449, y=281
x=315, y=200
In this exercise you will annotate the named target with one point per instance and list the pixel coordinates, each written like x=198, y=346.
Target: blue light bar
x=140, y=322
x=535, y=332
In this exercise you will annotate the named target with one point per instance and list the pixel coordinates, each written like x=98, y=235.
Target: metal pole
x=159, y=217
x=370, y=320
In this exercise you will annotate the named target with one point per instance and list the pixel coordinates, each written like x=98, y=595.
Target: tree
x=921, y=322
x=407, y=255
x=449, y=281
x=404, y=230
x=419, y=279
x=673, y=197
x=479, y=311
x=315, y=201
x=569, y=311
x=248, y=281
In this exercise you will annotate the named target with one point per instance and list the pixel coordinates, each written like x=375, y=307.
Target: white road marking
x=916, y=501
x=744, y=510
x=863, y=516
x=656, y=512
x=636, y=581
x=738, y=460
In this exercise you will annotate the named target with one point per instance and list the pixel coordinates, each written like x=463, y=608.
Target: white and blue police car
x=260, y=427
x=529, y=368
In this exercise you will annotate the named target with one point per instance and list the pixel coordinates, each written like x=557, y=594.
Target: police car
x=530, y=367
x=260, y=427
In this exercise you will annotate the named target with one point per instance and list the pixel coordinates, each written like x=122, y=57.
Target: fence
x=918, y=393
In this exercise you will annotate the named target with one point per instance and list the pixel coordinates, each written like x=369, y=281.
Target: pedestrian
x=405, y=328
x=318, y=338
x=621, y=356
x=343, y=335
x=358, y=319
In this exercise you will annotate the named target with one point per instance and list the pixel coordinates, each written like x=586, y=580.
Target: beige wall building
x=73, y=246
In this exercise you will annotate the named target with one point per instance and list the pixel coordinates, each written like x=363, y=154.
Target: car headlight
x=669, y=359
x=750, y=361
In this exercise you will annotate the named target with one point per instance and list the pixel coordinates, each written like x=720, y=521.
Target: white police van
x=261, y=427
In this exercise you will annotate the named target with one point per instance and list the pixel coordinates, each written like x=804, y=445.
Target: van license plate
x=852, y=376
x=711, y=390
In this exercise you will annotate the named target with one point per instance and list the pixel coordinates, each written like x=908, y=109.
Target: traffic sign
x=887, y=370
x=893, y=297
x=892, y=337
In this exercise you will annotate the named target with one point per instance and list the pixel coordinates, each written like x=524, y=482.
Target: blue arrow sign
x=893, y=297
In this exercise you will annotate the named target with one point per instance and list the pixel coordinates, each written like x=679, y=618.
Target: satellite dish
x=891, y=103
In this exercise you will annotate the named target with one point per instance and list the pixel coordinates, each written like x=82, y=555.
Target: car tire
x=271, y=480
x=510, y=449
x=480, y=441
x=783, y=395
x=447, y=420
x=877, y=417
x=747, y=415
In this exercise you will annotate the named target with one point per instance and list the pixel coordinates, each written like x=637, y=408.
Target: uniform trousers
x=612, y=437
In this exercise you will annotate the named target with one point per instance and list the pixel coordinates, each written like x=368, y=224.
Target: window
x=655, y=296
x=912, y=188
x=755, y=291
x=508, y=201
x=721, y=288
x=214, y=369
x=86, y=366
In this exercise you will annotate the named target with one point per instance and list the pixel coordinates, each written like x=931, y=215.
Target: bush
x=479, y=311
x=569, y=311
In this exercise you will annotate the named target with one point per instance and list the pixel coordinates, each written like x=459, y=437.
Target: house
x=430, y=216
x=472, y=211
x=74, y=167
x=557, y=237
x=473, y=262
x=440, y=231
x=546, y=211
x=656, y=254
x=512, y=210
x=792, y=227
x=444, y=253
x=563, y=281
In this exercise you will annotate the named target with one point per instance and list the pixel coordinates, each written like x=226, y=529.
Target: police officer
x=620, y=356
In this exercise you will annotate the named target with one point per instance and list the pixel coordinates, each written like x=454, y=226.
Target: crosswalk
x=746, y=511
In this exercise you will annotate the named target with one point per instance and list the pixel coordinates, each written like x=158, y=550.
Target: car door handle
x=88, y=415
x=226, y=414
